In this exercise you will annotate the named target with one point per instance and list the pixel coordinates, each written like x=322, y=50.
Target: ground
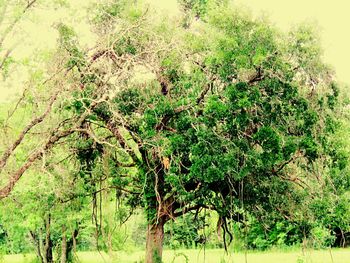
x=210, y=256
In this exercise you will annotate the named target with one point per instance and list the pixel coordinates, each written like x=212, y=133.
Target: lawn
x=209, y=256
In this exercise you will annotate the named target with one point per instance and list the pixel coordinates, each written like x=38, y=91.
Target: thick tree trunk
x=154, y=245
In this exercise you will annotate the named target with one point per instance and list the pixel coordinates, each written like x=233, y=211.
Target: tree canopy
x=215, y=111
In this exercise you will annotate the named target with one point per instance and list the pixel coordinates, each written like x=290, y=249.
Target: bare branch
x=38, y=154
x=20, y=138
x=7, y=54
x=13, y=24
x=114, y=128
x=5, y=191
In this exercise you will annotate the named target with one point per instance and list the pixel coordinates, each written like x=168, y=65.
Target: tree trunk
x=64, y=245
x=71, y=245
x=48, y=242
x=37, y=246
x=43, y=247
x=68, y=245
x=154, y=244
x=74, y=240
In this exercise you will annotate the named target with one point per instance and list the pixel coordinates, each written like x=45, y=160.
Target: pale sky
x=333, y=17
x=37, y=33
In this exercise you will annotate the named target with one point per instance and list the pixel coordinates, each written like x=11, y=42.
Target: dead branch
x=20, y=138
x=13, y=24
x=38, y=154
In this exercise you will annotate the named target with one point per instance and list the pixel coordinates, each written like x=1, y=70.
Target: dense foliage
x=216, y=125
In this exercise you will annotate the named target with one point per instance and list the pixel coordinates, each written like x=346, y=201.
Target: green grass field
x=209, y=256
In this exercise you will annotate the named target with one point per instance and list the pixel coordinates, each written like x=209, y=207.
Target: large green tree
x=228, y=113
x=225, y=113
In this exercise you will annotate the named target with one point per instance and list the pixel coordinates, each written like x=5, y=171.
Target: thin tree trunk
x=68, y=245
x=71, y=245
x=154, y=245
x=37, y=246
x=64, y=245
x=74, y=238
x=48, y=242
x=42, y=244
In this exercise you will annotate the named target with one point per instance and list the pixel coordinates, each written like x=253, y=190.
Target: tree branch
x=38, y=154
x=190, y=208
x=13, y=24
x=167, y=117
x=20, y=138
x=6, y=190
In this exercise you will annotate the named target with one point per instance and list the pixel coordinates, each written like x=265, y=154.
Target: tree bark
x=74, y=241
x=48, y=242
x=154, y=243
x=38, y=154
x=64, y=245
x=71, y=245
x=68, y=245
x=43, y=247
x=37, y=246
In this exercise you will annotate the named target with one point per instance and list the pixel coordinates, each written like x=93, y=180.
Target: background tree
x=7, y=26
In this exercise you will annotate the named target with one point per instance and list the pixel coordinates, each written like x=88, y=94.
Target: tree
x=231, y=113
x=225, y=114
x=8, y=25
x=48, y=210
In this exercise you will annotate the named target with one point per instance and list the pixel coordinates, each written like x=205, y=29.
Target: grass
x=209, y=256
